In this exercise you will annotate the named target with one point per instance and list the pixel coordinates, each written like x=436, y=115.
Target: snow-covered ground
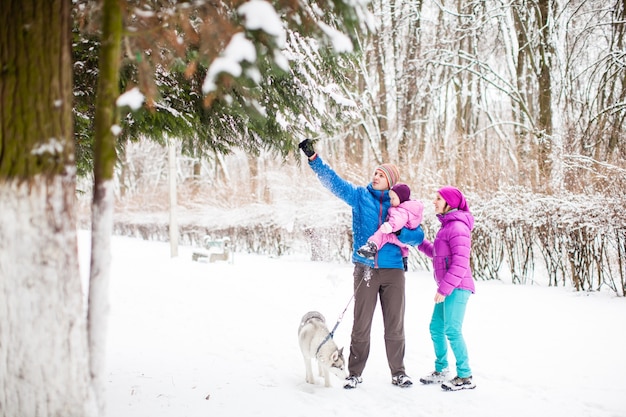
x=220, y=339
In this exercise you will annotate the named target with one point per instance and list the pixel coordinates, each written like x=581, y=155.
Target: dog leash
x=332, y=333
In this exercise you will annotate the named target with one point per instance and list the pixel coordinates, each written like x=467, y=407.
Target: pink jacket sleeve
x=398, y=217
x=427, y=248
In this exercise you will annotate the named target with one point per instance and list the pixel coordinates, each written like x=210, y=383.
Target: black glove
x=307, y=147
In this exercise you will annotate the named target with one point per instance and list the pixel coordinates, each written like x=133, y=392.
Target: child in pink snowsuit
x=403, y=212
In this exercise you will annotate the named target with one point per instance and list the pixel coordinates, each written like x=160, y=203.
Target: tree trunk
x=173, y=189
x=44, y=354
x=103, y=197
x=544, y=79
x=521, y=109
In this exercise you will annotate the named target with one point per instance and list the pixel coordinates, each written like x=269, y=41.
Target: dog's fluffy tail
x=310, y=316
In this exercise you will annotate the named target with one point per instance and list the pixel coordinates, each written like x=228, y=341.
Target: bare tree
x=488, y=94
x=595, y=95
x=385, y=84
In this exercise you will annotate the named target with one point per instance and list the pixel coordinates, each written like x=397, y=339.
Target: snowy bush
x=578, y=240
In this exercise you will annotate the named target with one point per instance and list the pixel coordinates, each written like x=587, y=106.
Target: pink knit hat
x=391, y=172
x=454, y=197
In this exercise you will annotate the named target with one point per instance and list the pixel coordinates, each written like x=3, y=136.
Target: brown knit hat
x=391, y=172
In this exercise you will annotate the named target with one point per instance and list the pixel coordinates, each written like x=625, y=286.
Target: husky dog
x=316, y=343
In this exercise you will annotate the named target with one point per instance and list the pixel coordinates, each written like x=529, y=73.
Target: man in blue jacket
x=381, y=277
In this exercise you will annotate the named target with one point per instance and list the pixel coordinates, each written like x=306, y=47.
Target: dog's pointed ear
x=341, y=352
x=335, y=356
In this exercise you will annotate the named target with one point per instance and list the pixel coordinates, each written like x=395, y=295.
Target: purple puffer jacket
x=450, y=252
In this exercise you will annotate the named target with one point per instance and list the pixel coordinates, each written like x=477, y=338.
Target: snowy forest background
x=521, y=105
x=103, y=103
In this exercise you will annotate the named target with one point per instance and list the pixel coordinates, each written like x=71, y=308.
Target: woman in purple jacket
x=450, y=253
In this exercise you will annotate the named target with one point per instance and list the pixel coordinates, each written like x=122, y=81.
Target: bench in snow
x=214, y=250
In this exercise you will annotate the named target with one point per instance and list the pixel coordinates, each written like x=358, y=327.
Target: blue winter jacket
x=369, y=211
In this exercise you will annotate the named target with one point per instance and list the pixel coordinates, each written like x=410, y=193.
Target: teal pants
x=446, y=326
